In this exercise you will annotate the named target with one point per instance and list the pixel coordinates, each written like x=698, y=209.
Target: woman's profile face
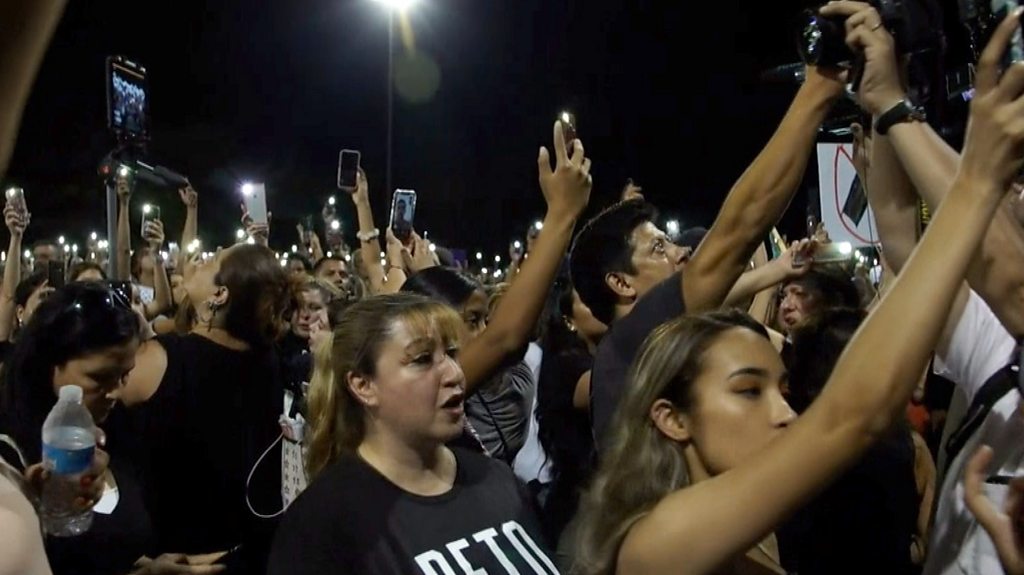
x=474, y=313
x=200, y=285
x=419, y=388
x=100, y=374
x=738, y=407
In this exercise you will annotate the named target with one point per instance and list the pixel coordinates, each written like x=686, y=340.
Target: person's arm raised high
x=696, y=529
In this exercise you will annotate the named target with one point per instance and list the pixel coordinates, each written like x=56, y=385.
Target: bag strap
x=994, y=389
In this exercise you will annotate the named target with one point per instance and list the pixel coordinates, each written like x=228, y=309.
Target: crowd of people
x=619, y=400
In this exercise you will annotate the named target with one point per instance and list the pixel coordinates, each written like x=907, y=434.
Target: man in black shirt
x=629, y=273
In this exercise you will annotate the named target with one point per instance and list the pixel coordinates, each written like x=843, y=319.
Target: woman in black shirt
x=84, y=335
x=210, y=401
x=387, y=496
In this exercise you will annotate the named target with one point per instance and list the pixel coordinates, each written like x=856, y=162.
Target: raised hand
x=153, y=233
x=796, y=261
x=994, y=143
x=566, y=187
x=189, y=197
x=880, y=87
x=362, y=192
x=16, y=220
x=124, y=187
x=422, y=257
x=631, y=191
x=1006, y=527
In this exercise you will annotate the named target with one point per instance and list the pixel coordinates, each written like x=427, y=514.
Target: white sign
x=844, y=206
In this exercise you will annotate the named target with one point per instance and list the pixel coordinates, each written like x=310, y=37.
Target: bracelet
x=368, y=236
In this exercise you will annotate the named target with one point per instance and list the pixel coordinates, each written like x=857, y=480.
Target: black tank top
x=215, y=413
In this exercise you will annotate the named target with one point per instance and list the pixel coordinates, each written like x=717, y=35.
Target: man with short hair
x=44, y=252
x=630, y=274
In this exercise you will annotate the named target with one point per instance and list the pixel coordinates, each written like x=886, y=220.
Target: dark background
x=667, y=93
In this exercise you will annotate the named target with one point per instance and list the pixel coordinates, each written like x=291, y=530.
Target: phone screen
x=403, y=213
x=568, y=128
x=127, y=98
x=348, y=169
x=255, y=198
x=55, y=274
x=149, y=213
x=16, y=197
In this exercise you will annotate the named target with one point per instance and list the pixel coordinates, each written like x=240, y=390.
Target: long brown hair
x=336, y=419
x=260, y=294
x=642, y=465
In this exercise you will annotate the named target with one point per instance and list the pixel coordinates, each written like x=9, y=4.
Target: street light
x=401, y=7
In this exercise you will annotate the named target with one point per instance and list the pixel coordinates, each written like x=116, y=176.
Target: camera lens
x=822, y=40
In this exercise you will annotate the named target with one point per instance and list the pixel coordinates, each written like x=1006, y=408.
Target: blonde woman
x=386, y=495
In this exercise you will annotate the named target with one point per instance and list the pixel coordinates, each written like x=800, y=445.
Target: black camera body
x=916, y=26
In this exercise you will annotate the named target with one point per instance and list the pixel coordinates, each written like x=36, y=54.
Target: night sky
x=270, y=91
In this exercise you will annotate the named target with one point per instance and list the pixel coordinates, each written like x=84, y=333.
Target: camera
x=916, y=26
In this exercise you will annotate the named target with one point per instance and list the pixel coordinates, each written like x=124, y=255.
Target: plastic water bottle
x=68, y=446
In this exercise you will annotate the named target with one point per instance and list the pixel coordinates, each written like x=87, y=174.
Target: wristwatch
x=903, y=111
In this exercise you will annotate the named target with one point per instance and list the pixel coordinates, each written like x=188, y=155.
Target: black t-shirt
x=619, y=348
x=212, y=418
x=564, y=433
x=862, y=523
x=354, y=520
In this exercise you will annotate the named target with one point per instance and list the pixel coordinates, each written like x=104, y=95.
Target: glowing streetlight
x=398, y=5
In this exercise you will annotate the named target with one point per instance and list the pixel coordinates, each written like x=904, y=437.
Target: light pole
x=393, y=6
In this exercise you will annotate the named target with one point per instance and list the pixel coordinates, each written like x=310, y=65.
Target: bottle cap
x=70, y=393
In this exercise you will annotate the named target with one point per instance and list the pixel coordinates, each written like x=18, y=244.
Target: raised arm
x=931, y=165
x=771, y=273
x=124, y=229
x=162, y=299
x=190, y=232
x=28, y=27
x=369, y=249
x=758, y=198
x=697, y=529
x=567, y=191
x=16, y=224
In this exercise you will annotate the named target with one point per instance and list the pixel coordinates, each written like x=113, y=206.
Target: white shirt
x=980, y=346
x=531, y=462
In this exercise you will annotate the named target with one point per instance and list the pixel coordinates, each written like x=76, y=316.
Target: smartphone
x=16, y=199
x=55, y=274
x=348, y=170
x=127, y=98
x=856, y=204
x=403, y=213
x=307, y=229
x=834, y=252
x=255, y=198
x=150, y=213
x=568, y=120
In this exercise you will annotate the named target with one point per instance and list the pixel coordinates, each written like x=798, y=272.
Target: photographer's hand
x=880, y=87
